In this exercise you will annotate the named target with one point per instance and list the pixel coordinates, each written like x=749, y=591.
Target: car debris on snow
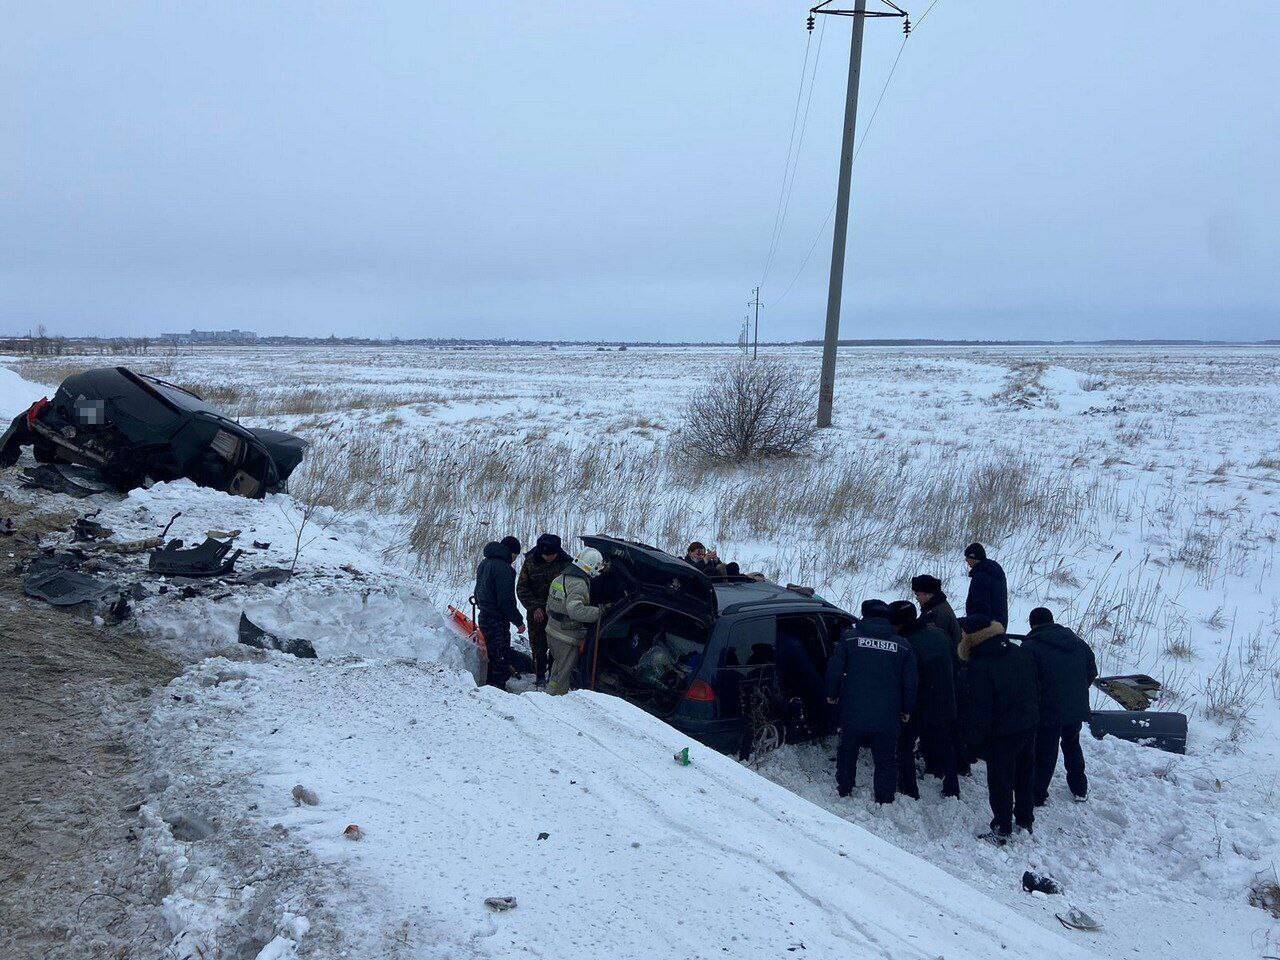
x=78, y=482
x=252, y=635
x=208, y=559
x=1077, y=919
x=353, y=832
x=500, y=904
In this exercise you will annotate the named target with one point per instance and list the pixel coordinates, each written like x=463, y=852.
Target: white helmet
x=590, y=561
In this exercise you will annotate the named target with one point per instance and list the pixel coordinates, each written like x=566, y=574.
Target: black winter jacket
x=496, y=585
x=1068, y=668
x=936, y=693
x=988, y=593
x=1004, y=692
x=938, y=613
x=872, y=674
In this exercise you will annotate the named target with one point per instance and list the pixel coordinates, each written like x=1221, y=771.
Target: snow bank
x=454, y=787
x=16, y=395
x=347, y=597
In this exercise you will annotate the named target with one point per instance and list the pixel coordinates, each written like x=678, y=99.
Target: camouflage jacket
x=534, y=582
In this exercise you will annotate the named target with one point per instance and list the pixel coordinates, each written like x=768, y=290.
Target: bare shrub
x=756, y=410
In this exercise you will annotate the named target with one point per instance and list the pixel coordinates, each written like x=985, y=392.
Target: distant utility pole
x=827, y=385
x=755, y=350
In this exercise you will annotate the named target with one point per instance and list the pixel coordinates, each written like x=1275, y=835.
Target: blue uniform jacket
x=872, y=675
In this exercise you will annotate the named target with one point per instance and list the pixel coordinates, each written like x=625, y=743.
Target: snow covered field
x=1132, y=490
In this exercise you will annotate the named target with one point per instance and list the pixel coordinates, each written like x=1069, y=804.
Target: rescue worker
x=570, y=616
x=872, y=679
x=988, y=588
x=542, y=564
x=1068, y=669
x=1004, y=698
x=495, y=600
x=933, y=722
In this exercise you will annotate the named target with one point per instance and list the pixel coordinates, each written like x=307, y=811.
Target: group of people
x=554, y=589
x=903, y=680
x=956, y=689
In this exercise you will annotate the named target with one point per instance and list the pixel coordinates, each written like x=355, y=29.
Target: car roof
x=733, y=596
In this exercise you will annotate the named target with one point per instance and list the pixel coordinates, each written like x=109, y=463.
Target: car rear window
x=751, y=643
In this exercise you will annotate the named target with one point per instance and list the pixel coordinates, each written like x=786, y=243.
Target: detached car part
x=252, y=635
x=205, y=560
x=1163, y=729
x=131, y=427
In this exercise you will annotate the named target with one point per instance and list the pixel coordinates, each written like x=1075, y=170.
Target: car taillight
x=701, y=691
x=37, y=408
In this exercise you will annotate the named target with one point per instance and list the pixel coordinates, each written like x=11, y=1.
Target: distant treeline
x=41, y=343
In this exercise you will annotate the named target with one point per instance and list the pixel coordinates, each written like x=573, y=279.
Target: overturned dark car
x=131, y=428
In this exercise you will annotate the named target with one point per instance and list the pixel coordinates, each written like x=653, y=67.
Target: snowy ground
x=1169, y=461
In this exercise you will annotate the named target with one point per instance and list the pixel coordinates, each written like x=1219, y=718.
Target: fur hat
x=926, y=584
x=547, y=543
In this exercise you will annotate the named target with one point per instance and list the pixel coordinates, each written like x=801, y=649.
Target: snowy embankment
x=453, y=786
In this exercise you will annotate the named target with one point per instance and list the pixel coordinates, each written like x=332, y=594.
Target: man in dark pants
x=933, y=721
x=935, y=610
x=1004, y=698
x=495, y=599
x=872, y=677
x=988, y=589
x=1067, y=669
x=542, y=564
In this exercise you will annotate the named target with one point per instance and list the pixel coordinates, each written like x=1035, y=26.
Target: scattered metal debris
x=208, y=559
x=78, y=482
x=252, y=635
x=500, y=904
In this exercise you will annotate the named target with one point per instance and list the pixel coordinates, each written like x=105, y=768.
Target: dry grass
x=1264, y=893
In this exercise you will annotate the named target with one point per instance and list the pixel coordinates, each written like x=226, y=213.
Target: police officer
x=872, y=678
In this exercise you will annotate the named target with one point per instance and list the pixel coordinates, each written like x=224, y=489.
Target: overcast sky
x=611, y=170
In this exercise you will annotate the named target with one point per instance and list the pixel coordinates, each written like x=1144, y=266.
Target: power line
x=857, y=150
x=795, y=163
x=795, y=116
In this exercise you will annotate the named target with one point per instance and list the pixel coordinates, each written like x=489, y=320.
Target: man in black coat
x=872, y=678
x=935, y=610
x=495, y=599
x=933, y=721
x=988, y=589
x=1068, y=668
x=1004, y=709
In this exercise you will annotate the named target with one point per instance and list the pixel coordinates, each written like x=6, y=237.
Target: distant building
x=206, y=337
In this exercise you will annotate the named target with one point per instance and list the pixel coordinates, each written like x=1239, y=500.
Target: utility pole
x=755, y=350
x=859, y=13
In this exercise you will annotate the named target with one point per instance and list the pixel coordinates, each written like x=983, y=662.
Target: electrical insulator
x=906, y=26
x=811, y=23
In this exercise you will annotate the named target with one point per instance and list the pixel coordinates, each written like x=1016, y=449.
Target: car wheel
x=763, y=730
